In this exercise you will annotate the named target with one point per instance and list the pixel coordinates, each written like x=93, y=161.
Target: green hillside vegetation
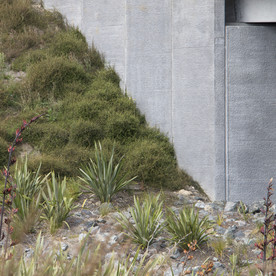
x=81, y=95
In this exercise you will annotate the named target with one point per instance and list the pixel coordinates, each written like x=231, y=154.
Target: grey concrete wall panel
x=251, y=82
x=71, y=9
x=148, y=68
x=103, y=22
x=256, y=11
x=193, y=89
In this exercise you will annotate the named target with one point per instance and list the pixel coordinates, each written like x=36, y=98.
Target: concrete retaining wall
x=170, y=55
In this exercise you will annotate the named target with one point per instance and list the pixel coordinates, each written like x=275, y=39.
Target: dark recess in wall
x=230, y=11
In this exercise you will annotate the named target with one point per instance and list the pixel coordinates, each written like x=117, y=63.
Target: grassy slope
x=82, y=97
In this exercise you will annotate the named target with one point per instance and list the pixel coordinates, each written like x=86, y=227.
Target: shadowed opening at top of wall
x=250, y=11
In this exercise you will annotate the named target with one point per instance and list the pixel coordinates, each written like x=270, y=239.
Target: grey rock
x=29, y=252
x=248, y=241
x=64, y=246
x=217, y=205
x=152, y=251
x=219, y=268
x=93, y=230
x=258, y=219
x=218, y=265
x=208, y=208
x=126, y=214
x=203, y=213
x=176, y=270
x=199, y=198
x=220, y=230
x=211, y=218
x=101, y=237
x=86, y=213
x=77, y=214
x=82, y=236
x=200, y=204
x=241, y=223
x=185, y=193
x=113, y=239
x=163, y=244
x=230, y=232
x=176, y=210
x=230, y=220
x=90, y=224
x=256, y=207
x=239, y=235
x=231, y=206
x=176, y=254
x=108, y=256
x=75, y=220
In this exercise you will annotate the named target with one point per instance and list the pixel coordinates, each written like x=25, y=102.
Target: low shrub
x=73, y=156
x=152, y=162
x=14, y=44
x=85, y=133
x=17, y=14
x=9, y=96
x=51, y=77
x=55, y=137
x=47, y=136
x=103, y=177
x=87, y=109
x=56, y=206
x=105, y=90
x=121, y=126
x=69, y=43
x=125, y=103
x=94, y=60
x=23, y=61
x=23, y=26
x=187, y=227
x=50, y=162
x=109, y=74
x=147, y=220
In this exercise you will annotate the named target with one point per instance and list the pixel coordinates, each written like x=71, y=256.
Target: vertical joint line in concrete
x=125, y=42
x=172, y=88
x=226, y=106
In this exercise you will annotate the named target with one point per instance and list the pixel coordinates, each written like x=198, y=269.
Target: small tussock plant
x=56, y=206
x=28, y=198
x=147, y=217
x=103, y=176
x=218, y=245
x=187, y=227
